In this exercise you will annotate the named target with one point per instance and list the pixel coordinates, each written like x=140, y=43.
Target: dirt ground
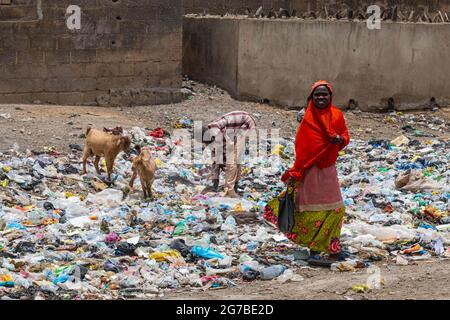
x=36, y=127
x=425, y=280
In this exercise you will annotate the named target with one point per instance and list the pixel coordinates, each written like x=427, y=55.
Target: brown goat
x=102, y=144
x=145, y=167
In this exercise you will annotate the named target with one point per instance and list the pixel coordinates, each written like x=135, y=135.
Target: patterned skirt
x=317, y=230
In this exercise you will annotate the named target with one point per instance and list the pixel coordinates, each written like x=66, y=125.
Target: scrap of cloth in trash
x=317, y=230
x=157, y=133
x=313, y=144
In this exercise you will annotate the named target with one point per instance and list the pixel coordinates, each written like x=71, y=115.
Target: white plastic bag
x=109, y=198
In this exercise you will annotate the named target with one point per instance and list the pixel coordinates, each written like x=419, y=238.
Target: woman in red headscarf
x=320, y=208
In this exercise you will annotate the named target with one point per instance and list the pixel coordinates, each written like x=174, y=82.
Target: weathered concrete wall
x=127, y=52
x=219, y=7
x=215, y=62
x=280, y=60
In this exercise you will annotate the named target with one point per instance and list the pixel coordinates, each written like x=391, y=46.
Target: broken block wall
x=334, y=5
x=127, y=52
x=220, y=7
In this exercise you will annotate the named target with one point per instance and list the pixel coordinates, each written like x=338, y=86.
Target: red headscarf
x=313, y=141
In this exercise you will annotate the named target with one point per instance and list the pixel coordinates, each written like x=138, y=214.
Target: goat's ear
x=119, y=142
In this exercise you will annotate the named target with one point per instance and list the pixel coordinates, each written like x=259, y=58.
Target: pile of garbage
x=410, y=123
x=68, y=236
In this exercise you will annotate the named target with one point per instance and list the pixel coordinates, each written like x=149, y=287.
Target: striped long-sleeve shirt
x=231, y=125
x=234, y=121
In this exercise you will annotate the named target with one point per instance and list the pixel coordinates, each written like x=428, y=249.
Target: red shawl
x=313, y=141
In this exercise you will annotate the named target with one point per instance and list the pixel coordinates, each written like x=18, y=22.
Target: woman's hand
x=337, y=139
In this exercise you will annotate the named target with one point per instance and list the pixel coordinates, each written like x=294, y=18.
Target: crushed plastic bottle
x=229, y=224
x=261, y=235
x=250, y=265
x=289, y=276
x=272, y=272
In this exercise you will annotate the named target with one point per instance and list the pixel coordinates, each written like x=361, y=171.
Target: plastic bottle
x=22, y=282
x=226, y=262
x=204, y=242
x=130, y=282
x=39, y=169
x=17, y=178
x=201, y=243
x=244, y=257
x=35, y=216
x=229, y=224
x=7, y=265
x=250, y=265
x=349, y=202
x=445, y=220
x=219, y=217
x=234, y=242
x=49, y=287
x=272, y=272
x=439, y=246
x=289, y=275
x=198, y=228
x=252, y=246
x=261, y=235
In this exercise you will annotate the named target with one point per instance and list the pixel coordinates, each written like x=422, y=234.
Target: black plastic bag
x=181, y=247
x=286, y=211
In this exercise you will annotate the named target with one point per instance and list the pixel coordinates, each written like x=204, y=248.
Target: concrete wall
x=219, y=7
x=210, y=52
x=279, y=60
x=127, y=52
